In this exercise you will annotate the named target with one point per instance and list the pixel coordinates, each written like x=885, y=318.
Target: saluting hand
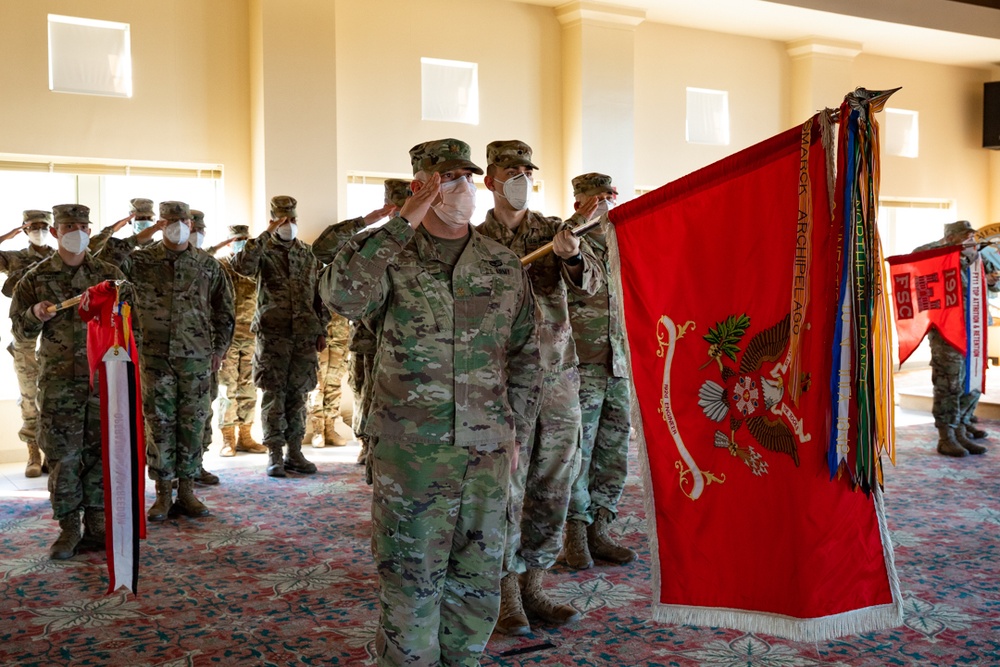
x=588, y=207
x=274, y=224
x=148, y=232
x=416, y=207
x=11, y=234
x=378, y=214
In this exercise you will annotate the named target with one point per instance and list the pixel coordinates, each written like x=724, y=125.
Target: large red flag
x=927, y=291
x=730, y=280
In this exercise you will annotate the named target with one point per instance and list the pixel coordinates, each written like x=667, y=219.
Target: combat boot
x=186, y=503
x=295, y=462
x=34, y=467
x=947, y=445
x=962, y=438
x=164, y=497
x=540, y=605
x=602, y=545
x=94, y=536
x=333, y=438
x=228, y=441
x=206, y=478
x=275, y=464
x=318, y=431
x=310, y=433
x=512, y=620
x=576, y=552
x=975, y=433
x=65, y=545
x=246, y=443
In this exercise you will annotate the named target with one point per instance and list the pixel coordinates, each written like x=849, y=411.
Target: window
x=89, y=56
x=707, y=117
x=449, y=91
x=902, y=133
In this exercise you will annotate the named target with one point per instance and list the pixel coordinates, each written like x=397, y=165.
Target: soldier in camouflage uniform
x=236, y=375
x=455, y=378
x=184, y=312
x=604, y=405
x=549, y=452
x=69, y=421
x=15, y=263
x=954, y=407
x=141, y=215
x=290, y=325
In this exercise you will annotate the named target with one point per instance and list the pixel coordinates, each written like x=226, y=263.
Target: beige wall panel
x=190, y=88
x=670, y=59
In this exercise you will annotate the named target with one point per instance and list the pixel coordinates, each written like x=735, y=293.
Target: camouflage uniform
x=549, y=450
x=324, y=406
x=141, y=208
x=238, y=405
x=288, y=321
x=15, y=263
x=69, y=421
x=455, y=376
x=184, y=316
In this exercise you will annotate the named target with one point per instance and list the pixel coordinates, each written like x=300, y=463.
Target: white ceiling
x=784, y=22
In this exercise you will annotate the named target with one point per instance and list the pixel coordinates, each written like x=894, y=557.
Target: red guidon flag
x=111, y=352
x=730, y=280
x=927, y=292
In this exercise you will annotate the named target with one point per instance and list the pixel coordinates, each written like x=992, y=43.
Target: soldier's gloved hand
x=41, y=311
x=565, y=245
x=320, y=343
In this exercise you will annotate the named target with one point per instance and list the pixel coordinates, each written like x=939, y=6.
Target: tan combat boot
x=333, y=438
x=186, y=503
x=947, y=445
x=275, y=462
x=541, y=606
x=94, y=536
x=512, y=620
x=317, y=427
x=228, y=441
x=295, y=462
x=576, y=552
x=65, y=545
x=602, y=545
x=34, y=467
x=164, y=497
x=962, y=438
x=246, y=443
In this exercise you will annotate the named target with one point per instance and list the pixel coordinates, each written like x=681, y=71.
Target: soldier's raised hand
x=416, y=207
x=380, y=213
x=588, y=207
x=11, y=234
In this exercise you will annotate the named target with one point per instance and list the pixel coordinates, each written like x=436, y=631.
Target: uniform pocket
x=384, y=545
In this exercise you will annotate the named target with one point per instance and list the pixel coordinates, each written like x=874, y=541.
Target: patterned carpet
x=280, y=574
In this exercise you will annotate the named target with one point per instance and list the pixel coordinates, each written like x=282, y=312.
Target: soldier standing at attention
x=290, y=324
x=604, y=405
x=455, y=381
x=550, y=453
x=15, y=263
x=69, y=421
x=184, y=309
x=240, y=402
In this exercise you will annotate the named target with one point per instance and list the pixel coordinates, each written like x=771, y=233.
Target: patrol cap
x=592, y=184
x=69, y=214
x=236, y=231
x=142, y=208
x=511, y=153
x=174, y=210
x=396, y=191
x=282, y=206
x=442, y=155
x=31, y=216
x=958, y=228
x=197, y=220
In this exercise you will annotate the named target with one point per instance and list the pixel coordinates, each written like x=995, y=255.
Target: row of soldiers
x=493, y=398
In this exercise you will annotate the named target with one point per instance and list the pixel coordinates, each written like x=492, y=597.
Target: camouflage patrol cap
x=958, y=228
x=142, y=208
x=197, y=220
x=282, y=206
x=396, y=191
x=592, y=184
x=31, y=216
x=68, y=214
x=174, y=210
x=511, y=153
x=442, y=155
x=236, y=231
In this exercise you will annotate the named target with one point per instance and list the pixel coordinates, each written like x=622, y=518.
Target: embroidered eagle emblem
x=752, y=394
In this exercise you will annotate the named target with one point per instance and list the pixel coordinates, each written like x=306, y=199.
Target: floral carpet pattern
x=280, y=574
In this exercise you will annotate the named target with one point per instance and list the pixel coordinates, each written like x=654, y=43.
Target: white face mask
x=517, y=191
x=288, y=231
x=603, y=207
x=177, y=233
x=198, y=240
x=75, y=242
x=38, y=236
x=458, y=202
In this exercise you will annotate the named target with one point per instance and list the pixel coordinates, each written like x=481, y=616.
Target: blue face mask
x=238, y=246
x=139, y=225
